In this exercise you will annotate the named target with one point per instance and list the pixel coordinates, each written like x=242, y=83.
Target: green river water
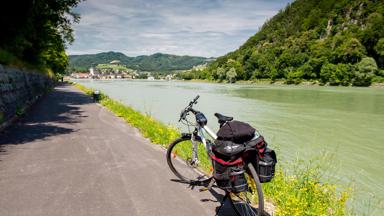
x=301, y=121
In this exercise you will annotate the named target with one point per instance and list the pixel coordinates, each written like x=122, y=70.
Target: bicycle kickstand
x=209, y=187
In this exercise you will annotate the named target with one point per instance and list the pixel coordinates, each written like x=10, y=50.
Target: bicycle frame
x=200, y=134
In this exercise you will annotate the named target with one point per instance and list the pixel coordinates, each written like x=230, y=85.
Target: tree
x=231, y=63
x=342, y=75
x=373, y=32
x=307, y=71
x=231, y=75
x=365, y=71
x=350, y=51
x=221, y=73
x=37, y=31
x=379, y=48
x=326, y=72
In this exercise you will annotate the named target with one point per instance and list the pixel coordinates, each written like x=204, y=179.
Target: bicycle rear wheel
x=251, y=202
x=180, y=161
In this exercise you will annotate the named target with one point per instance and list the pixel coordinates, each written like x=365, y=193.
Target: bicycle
x=190, y=158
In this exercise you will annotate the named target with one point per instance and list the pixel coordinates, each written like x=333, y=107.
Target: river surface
x=342, y=126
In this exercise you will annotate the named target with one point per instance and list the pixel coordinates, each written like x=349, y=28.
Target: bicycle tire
x=175, y=163
x=246, y=208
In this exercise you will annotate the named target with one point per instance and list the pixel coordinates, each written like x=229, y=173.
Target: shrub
x=294, y=77
x=326, y=72
x=365, y=72
x=231, y=75
x=339, y=74
x=342, y=75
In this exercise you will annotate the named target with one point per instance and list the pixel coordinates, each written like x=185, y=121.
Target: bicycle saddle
x=223, y=118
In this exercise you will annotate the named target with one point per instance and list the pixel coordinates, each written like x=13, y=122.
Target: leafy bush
x=294, y=77
x=365, y=72
x=231, y=75
x=326, y=72
x=339, y=74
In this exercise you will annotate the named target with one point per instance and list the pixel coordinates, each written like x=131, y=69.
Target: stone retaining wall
x=18, y=88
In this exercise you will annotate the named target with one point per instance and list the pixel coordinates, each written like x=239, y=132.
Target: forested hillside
x=34, y=33
x=155, y=62
x=336, y=42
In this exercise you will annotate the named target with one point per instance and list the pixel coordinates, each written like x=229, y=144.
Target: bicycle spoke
x=249, y=202
x=182, y=163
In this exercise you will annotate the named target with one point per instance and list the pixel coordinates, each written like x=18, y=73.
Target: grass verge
x=303, y=192
x=298, y=193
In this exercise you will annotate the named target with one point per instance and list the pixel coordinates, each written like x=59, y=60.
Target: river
x=345, y=124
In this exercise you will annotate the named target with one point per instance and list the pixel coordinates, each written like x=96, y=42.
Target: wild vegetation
x=301, y=192
x=34, y=34
x=155, y=62
x=335, y=42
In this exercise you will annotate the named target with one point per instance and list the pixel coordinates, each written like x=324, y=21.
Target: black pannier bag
x=266, y=159
x=266, y=165
x=235, y=137
x=227, y=150
x=236, y=131
x=229, y=175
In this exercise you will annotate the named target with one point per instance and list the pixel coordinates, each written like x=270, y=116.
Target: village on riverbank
x=116, y=70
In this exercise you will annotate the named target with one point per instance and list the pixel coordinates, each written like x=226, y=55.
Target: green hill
x=339, y=42
x=155, y=62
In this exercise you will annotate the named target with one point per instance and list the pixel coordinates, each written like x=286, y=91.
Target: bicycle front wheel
x=251, y=202
x=181, y=162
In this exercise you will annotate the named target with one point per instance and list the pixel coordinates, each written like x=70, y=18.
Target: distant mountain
x=155, y=62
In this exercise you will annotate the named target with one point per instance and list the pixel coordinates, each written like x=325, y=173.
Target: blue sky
x=207, y=28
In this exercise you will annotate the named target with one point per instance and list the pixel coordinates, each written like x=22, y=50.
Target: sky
x=208, y=28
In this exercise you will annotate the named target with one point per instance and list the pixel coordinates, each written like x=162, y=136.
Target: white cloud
x=183, y=27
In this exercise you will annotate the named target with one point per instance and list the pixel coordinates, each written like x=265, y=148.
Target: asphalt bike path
x=71, y=156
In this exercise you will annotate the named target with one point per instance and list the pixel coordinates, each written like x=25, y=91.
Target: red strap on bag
x=227, y=163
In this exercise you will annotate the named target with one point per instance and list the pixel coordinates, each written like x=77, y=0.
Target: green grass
x=300, y=192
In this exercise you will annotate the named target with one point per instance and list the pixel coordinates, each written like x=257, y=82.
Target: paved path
x=70, y=156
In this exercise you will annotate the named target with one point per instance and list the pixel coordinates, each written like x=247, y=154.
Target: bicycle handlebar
x=189, y=108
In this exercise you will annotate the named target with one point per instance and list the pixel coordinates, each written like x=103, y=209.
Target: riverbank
x=379, y=85
x=301, y=192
